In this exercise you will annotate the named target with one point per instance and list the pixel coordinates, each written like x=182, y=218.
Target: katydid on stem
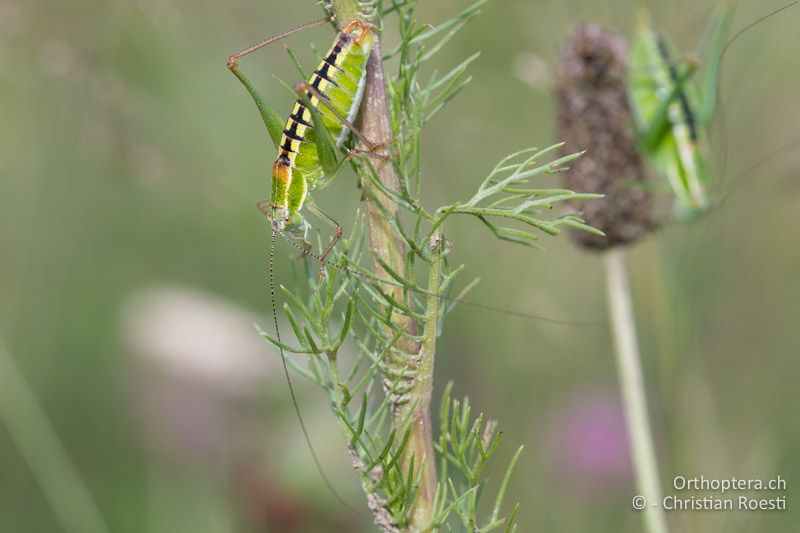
x=310, y=146
x=307, y=152
x=311, y=152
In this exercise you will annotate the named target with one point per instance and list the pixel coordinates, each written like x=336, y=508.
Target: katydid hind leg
x=233, y=59
x=326, y=147
x=273, y=121
x=372, y=153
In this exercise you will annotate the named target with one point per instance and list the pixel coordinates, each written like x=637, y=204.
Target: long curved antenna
x=740, y=179
x=366, y=275
x=306, y=435
x=722, y=115
x=755, y=23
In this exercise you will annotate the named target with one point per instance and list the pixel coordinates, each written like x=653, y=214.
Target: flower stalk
x=594, y=114
x=631, y=383
x=412, y=412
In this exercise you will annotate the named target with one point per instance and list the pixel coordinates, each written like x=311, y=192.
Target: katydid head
x=279, y=216
x=283, y=220
x=296, y=225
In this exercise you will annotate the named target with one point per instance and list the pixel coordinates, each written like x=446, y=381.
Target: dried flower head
x=594, y=115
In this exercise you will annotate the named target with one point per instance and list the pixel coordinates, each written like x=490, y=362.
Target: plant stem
x=388, y=247
x=45, y=454
x=633, y=393
x=421, y=445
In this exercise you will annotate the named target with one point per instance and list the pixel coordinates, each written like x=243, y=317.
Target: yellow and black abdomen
x=339, y=79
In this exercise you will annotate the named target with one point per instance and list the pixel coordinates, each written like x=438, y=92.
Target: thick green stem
x=421, y=446
x=633, y=393
x=389, y=248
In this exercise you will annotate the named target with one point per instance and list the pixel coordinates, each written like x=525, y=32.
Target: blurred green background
x=132, y=267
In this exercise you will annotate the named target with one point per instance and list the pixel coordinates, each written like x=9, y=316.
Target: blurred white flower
x=194, y=335
x=199, y=367
x=533, y=71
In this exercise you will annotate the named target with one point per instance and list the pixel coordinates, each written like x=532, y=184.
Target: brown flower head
x=594, y=116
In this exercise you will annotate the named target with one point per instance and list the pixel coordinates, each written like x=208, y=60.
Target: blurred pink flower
x=586, y=441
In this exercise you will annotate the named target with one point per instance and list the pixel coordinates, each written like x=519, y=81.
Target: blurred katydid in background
x=671, y=112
